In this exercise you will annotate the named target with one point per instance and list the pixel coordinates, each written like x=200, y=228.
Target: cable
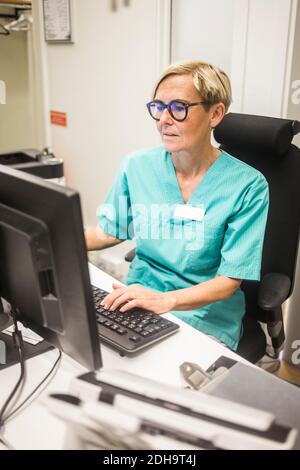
x=4, y=31
x=18, y=340
x=272, y=365
x=6, y=444
x=16, y=410
x=10, y=415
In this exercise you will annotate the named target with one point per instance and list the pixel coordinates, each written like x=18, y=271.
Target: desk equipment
x=43, y=164
x=44, y=271
x=255, y=387
x=119, y=410
x=130, y=331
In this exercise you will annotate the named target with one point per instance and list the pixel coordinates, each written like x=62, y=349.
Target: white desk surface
x=35, y=428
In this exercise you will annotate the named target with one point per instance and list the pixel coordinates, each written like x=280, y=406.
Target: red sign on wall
x=59, y=119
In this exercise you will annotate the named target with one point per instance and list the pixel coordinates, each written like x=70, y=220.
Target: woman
x=198, y=214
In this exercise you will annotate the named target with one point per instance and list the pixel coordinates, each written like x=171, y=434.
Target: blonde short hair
x=211, y=82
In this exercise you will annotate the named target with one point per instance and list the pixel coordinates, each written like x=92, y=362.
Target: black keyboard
x=130, y=331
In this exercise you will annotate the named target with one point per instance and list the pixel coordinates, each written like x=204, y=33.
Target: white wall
x=293, y=112
x=16, y=131
x=261, y=45
x=102, y=82
x=249, y=39
x=203, y=30
x=266, y=56
x=293, y=108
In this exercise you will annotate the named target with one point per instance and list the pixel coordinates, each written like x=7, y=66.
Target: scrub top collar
x=206, y=181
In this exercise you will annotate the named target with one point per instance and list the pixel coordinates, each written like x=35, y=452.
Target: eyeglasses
x=177, y=109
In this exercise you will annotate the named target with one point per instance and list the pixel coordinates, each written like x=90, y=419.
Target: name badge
x=184, y=211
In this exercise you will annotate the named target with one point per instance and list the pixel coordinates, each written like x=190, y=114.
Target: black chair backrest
x=265, y=144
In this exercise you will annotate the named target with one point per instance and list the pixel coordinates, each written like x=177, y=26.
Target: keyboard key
x=145, y=333
x=114, y=327
x=138, y=329
x=121, y=331
x=135, y=339
x=157, y=328
x=105, y=313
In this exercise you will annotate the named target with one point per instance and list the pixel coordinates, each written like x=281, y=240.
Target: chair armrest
x=130, y=255
x=273, y=291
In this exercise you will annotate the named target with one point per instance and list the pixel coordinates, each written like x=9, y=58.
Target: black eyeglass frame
x=168, y=107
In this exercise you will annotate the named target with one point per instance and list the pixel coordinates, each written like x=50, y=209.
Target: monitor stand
x=8, y=352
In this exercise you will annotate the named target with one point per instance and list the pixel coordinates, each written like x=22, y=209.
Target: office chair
x=265, y=144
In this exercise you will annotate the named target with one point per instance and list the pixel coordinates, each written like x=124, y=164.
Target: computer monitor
x=43, y=264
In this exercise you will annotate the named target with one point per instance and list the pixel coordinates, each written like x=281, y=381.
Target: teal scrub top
x=174, y=252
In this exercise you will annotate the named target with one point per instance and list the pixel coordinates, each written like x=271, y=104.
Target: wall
x=249, y=39
x=293, y=112
x=266, y=56
x=203, y=30
x=293, y=108
x=102, y=82
x=16, y=131
x=261, y=42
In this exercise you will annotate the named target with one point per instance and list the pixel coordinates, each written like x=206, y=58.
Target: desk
x=36, y=428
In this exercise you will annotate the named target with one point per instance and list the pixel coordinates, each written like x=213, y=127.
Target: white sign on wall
x=57, y=21
x=2, y=92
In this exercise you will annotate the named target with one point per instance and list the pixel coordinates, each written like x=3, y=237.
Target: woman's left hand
x=135, y=295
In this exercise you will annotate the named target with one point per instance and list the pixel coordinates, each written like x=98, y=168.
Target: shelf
x=15, y=3
x=14, y=6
